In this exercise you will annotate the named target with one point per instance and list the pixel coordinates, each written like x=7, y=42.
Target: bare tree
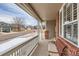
x=19, y=22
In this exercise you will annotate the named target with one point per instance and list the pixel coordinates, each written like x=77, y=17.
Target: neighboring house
x=5, y=27
x=16, y=27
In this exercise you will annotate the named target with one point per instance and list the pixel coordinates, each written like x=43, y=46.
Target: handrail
x=27, y=41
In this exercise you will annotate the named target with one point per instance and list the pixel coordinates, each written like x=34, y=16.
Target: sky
x=9, y=10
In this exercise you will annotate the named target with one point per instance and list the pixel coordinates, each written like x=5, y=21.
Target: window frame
x=72, y=21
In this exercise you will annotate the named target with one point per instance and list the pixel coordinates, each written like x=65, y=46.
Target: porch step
x=52, y=49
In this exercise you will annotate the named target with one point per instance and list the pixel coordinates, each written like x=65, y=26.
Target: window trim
x=59, y=19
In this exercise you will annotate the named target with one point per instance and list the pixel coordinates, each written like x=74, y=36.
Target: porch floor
x=46, y=48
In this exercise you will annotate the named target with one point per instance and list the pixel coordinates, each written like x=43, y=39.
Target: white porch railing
x=20, y=46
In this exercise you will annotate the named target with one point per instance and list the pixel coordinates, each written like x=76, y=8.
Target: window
x=67, y=33
x=69, y=27
x=74, y=11
x=75, y=32
x=69, y=12
x=64, y=13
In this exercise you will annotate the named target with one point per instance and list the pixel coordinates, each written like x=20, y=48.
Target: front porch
x=56, y=32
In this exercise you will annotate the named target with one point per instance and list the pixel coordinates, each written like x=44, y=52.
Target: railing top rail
x=7, y=46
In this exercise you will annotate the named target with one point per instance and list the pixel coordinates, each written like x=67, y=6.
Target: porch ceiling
x=46, y=11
